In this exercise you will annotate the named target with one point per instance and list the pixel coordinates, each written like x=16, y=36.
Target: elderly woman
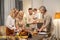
x=46, y=26
x=10, y=23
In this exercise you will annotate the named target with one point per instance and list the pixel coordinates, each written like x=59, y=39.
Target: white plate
x=42, y=33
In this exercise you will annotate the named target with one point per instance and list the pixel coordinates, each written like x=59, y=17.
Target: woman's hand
x=39, y=30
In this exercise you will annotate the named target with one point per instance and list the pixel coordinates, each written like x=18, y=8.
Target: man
x=30, y=16
x=30, y=21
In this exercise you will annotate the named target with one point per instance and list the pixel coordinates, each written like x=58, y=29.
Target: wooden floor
x=2, y=30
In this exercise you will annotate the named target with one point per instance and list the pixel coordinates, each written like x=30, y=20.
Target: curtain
x=19, y=4
x=1, y=12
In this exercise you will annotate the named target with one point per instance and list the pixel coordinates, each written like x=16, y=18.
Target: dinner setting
x=29, y=20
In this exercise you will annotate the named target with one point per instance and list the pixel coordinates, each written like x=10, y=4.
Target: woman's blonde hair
x=20, y=14
x=13, y=11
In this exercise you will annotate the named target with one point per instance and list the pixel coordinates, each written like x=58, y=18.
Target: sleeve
x=8, y=23
x=47, y=21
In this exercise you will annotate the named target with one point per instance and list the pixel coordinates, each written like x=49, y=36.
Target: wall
x=31, y=3
x=8, y=5
x=36, y=3
x=52, y=6
x=27, y=4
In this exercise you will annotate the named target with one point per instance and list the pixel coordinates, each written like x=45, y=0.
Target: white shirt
x=29, y=19
x=35, y=15
x=10, y=23
x=39, y=15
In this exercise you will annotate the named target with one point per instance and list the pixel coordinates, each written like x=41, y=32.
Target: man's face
x=30, y=12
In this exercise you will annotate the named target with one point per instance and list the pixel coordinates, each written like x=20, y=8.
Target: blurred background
x=6, y=5
x=52, y=6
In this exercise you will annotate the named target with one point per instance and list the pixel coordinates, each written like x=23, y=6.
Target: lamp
x=57, y=15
